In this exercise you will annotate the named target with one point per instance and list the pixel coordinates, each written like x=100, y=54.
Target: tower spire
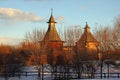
x=51, y=11
x=51, y=19
x=51, y=34
x=86, y=23
x=87, y=26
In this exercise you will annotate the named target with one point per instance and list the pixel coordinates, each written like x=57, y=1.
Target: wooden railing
x=60, y=76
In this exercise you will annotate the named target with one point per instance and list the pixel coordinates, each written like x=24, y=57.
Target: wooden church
x=87, y=45
x=52, y=44
x=55, y=53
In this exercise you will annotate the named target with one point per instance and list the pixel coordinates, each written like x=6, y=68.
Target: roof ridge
x=52, y=34
x=87, y=35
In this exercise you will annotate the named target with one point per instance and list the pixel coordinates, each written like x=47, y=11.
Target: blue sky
x=20, y=16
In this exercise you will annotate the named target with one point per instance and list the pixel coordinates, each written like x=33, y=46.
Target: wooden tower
x=87, y=45
x=52, y=44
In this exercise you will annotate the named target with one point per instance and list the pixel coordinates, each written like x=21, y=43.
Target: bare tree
x=10, y=60
x=32, y=43
x=72, y=34
x=109, y=39
x=116, y=31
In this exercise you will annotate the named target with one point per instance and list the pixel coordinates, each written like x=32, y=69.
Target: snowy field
x=33, y=68
x=36, y=78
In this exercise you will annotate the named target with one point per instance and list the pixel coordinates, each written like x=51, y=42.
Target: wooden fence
x=62, y=76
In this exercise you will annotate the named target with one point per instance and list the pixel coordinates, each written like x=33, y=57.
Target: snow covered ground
x=33, y=68
x=35, y=78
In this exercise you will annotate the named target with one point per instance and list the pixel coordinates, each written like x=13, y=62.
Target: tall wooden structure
x=52, y=44
x=87, y=45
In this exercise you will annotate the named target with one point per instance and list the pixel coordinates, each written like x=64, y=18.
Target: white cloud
x=34, y=0
x=10, y=40
x=10, y=14
x=82, y=8
x=17, y=15
x=59, y=18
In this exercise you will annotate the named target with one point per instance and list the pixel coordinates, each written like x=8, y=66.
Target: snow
x=36, y=78
x=112, y=69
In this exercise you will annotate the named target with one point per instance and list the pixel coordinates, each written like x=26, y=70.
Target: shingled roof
x=87, y=36
x=51, y=34
x=51, y=20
